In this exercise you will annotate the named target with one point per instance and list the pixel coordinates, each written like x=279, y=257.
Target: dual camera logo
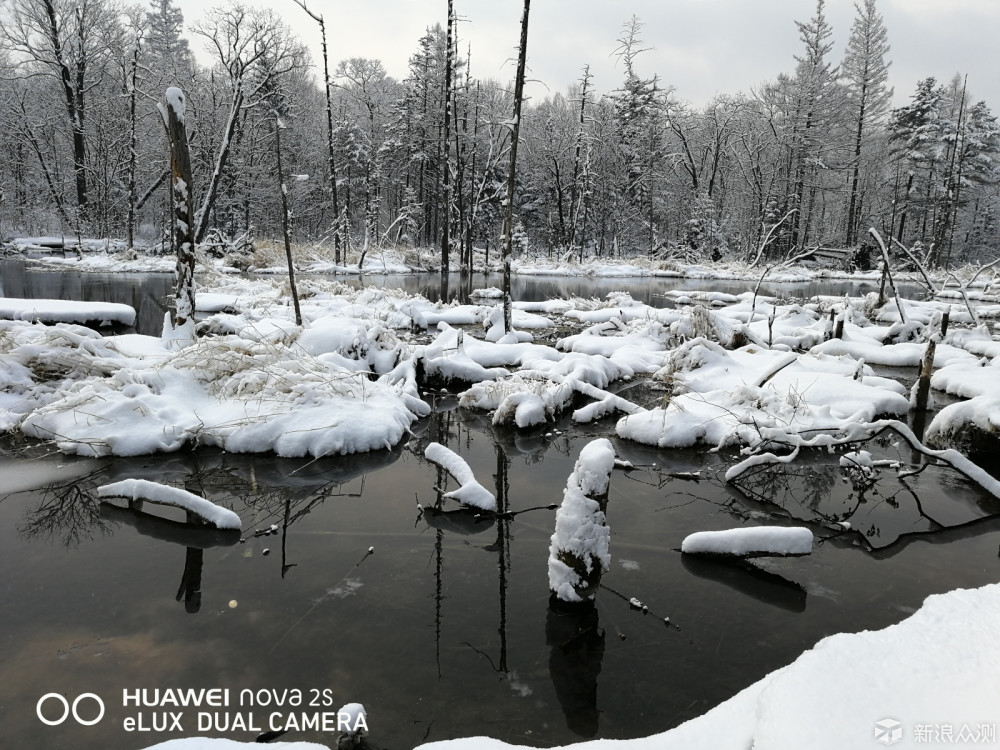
x=81, y=709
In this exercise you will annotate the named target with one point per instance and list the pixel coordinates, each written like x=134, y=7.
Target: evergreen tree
x=816, y=105
x=865, y=70
x=165, y=44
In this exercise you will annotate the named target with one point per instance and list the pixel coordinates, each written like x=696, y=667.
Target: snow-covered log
x=754, y=541
x=471, y=492
x=154, y=492
x=66, y=311
x=579, y=550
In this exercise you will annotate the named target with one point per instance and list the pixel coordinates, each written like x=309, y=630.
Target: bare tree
x=866, y=71
x=331, y=151
x=254, y=49
x=515, y=131
x=66, y=40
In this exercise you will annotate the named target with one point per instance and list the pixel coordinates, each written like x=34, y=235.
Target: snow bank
x=755, y=540
x=957, y=423
x=471, y=492
x=939, y=667
x=243, y=396
x=66, y=311
x=737, y=397
x=154, y=492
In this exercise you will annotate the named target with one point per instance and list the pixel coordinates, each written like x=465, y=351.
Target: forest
x=811, y=159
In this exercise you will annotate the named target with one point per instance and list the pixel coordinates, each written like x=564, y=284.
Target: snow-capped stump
x=163, y=494
x=755, y=541
x=578, y=554
x=352, y=721
x=470, y=492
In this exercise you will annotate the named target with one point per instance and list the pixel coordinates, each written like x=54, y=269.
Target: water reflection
x=873, y=509
x=746, y=578
x=190, y=588
x=576, y=654
x=161, y=529
x=149, y=293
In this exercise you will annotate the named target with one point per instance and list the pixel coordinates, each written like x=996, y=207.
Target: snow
x=142, y=489
x=939, y=666
x=353, y=715
x=66, y=311
x=240, y=394
x=734, y=397
x=734, y=370
x=471, y=492
x=175, y=100
x=754, y=540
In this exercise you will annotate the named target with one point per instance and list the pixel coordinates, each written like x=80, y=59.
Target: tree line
x=810, y=159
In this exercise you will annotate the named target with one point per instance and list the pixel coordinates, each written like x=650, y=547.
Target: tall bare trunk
x=508, y=222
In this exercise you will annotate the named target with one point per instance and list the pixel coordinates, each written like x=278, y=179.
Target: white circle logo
x=67, y=709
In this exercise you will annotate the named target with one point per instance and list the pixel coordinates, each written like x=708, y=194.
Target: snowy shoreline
x=95, y=259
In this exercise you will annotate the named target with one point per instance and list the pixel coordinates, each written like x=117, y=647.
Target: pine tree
x=815, y=108
x=865, y=71
x=915, y=135
x=166, y=48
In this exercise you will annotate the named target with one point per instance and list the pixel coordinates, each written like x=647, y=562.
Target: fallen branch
x=162, y=494
x=471, y=492
x=856, y=433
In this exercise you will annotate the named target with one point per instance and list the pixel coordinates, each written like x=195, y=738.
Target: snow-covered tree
x=816, y=104
x=865, y=71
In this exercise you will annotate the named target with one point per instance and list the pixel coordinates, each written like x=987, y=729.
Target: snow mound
x=243, y=396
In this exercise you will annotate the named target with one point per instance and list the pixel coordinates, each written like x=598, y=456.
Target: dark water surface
x=446, y=629
x=150, y=294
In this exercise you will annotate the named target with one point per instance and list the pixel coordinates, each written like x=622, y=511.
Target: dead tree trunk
x=286, y=220
x=446, y=233
x=508, y=222
x=331, y=155
x=180, y=169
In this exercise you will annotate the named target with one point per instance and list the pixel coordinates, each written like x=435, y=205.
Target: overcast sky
x=699, y=47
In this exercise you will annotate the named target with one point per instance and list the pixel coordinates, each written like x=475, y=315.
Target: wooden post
x=172, y=111
x=922, y=389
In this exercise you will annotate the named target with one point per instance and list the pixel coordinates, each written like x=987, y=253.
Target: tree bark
x=184, y=241
x=508, y=229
